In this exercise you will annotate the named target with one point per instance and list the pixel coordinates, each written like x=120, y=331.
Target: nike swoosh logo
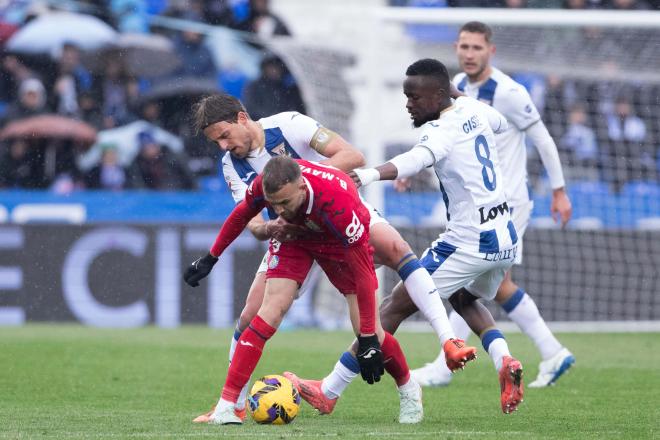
x=247, y=176
x=371, y=353
x=246, y=343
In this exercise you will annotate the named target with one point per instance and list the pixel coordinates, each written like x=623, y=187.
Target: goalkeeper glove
x=370, y=358
x=199, y=269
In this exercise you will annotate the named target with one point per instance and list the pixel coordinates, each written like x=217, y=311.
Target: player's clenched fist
x=370, y=358
x=199, y=269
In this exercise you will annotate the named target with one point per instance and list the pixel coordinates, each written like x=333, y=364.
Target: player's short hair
x=432, y=68
x=216, y=108
x=477, y=27
x=279, y=171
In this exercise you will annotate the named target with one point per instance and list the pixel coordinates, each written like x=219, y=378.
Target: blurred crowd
x=143, y=73
x=55, y=103
x=538, y=4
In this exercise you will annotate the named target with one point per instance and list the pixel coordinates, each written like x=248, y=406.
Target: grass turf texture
x=72, y=382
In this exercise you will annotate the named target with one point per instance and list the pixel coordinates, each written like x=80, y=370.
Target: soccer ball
x=273, y=400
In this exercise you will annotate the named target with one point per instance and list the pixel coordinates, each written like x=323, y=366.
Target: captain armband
x=321, y=139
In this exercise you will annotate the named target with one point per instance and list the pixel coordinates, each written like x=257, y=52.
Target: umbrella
x=126, y=140
x=143, y=55
x=6, y=31
x=50, y=127
x=48, y=32
x=187, y=87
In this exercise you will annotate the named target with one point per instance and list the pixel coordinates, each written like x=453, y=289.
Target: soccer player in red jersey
x=334, y=231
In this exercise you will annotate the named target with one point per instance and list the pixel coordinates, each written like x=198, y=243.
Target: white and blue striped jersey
x=512, y=100
x=466, y=162
x=286, y=134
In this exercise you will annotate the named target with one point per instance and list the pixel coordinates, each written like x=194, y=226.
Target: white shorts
x=454, y=268
x=521, y=214
x=316, y=270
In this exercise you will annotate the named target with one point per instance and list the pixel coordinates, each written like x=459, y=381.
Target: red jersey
x=338, y=225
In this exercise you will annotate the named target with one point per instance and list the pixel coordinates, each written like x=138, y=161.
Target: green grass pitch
x=72, y=382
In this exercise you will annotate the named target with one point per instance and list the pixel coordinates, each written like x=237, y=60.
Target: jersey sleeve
x=298, y=129
x=496, y=120
x=240, y=216
x=236, y=185
x=517, y=107
x=435, y=140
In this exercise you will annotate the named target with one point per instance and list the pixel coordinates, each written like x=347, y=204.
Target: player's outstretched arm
x=232, y=228
x=560, y=207
x=404, y=165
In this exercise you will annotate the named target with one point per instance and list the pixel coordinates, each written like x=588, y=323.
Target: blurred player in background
x=249, y=145
x=469, y=260
x=482, y=81
x=333, y=230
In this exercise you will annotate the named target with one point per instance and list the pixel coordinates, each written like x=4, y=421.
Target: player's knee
x=394, y=251
x=505, y=291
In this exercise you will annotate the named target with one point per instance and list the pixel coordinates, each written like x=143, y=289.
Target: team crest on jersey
x=313, y=226
x=273, y=262
x=280, y=150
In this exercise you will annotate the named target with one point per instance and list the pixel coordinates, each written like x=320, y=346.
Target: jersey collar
x=310, y=199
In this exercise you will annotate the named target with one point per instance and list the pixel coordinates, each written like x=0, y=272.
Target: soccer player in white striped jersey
x=482, y=81
x=469, y=260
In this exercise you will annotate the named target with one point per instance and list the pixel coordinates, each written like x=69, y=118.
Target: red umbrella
x=50, y=127
x=6, y=31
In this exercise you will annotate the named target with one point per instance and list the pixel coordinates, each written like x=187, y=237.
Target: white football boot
x=225, y=416
x=433, y=374
x=411, y=409
x=552, y=369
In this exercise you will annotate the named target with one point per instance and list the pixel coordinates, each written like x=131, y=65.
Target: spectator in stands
x=89, y=110
x=117, y=91
x=156, y=167
x=17, y=167
x=31, y=101
x=12, y=74
x=130, y=15
x=273, y=92
x=72, y=79
x=108, y=174
x=579, y=146
x=628, y=147
x=151, y=112
x=262, y=21
x=195, y=56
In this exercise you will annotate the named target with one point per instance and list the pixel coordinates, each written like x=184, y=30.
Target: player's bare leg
x=482, y=323
x=417, y=287
x=252, y=304
x=521, y=308
x=278, y=297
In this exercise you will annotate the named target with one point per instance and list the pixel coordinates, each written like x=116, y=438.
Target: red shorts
x=292, y=260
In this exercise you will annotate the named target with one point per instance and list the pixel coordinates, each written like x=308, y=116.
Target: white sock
x=232, y=344
x=497, y=350
x=459, y=325
x=408, y=386
x=423, y=292
x=341, y=376
x=242, y=396
x=526, y=315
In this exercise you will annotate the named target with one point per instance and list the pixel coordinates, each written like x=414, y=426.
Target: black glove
x=370, y=358
x=199, y=269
